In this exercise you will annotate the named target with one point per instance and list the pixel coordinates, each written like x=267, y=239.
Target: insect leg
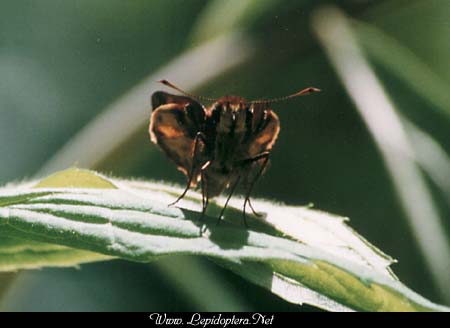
x=205, y=198
x=228, y=199
x=265, y=156
x=251, y=207
x=198, y=136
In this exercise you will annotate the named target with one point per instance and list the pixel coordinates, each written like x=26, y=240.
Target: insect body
x=217, y=146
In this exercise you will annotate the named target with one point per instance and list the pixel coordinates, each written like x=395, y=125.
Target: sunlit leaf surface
x=301, y=254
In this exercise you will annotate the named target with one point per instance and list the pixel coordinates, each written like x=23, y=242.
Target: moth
x=216, y=146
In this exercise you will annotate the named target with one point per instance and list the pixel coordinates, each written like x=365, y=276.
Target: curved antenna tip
x=303, y=92
x=307, y=91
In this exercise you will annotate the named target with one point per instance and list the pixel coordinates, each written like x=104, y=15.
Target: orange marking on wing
x=170, y=132
x=266, y=136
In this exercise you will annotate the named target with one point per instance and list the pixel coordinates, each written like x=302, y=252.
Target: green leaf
x=302, y=255
x=18, y=254
x=76, y=178
x=391, y=54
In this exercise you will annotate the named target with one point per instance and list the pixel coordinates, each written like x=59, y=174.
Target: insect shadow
x=231, y=233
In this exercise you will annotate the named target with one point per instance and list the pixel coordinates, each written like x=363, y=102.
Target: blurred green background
x=63, y=62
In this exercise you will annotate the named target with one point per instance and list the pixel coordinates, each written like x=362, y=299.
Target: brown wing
x=174, y=123
x=264, y=126
x=162, y=98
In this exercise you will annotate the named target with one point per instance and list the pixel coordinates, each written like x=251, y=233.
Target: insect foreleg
x=228, y=199
x=199, y=136
x=205, y=199
x=265, y=157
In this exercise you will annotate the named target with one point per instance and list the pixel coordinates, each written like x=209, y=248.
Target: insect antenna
x=303, y=92
x=173, y=86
